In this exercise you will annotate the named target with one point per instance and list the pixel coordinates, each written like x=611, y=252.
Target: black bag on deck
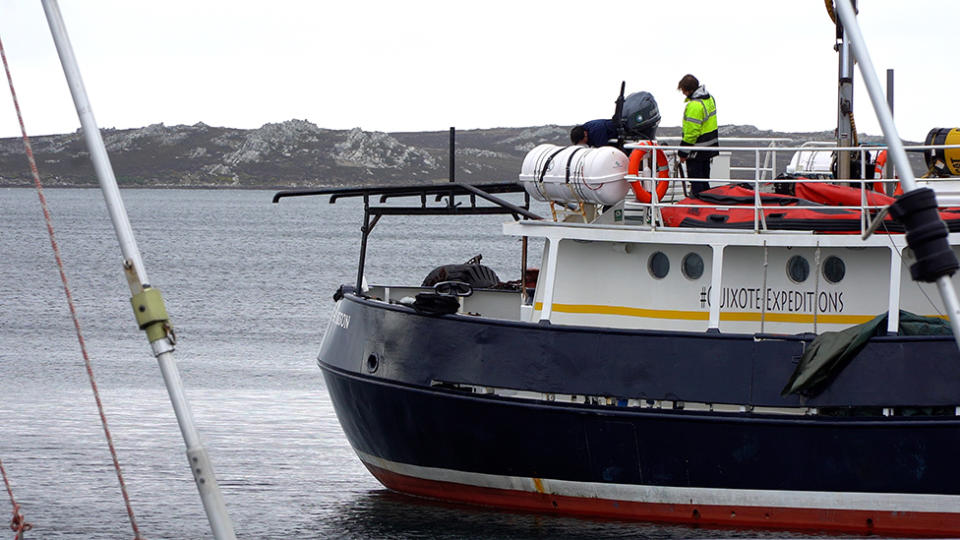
x=475, y=275
x=436, y=304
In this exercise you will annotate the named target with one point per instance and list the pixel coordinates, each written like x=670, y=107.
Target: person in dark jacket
x=699, y=129
x=595, y=133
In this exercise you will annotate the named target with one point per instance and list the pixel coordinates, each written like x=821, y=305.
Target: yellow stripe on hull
x=676, y=314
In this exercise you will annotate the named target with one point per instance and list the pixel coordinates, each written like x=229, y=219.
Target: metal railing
x=765, y=159
x=769, y=156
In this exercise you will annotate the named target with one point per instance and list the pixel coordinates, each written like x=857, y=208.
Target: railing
x=765, y=159
x=769, y=159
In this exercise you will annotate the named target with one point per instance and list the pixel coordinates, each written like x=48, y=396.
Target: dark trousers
x=698, y=168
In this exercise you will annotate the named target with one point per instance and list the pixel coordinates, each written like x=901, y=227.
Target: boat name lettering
x=783, y=300
x=341, y=319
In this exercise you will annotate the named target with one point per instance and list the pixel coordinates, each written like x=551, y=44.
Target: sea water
x=248, y=285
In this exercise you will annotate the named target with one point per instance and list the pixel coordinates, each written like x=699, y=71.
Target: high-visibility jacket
x=700, y=124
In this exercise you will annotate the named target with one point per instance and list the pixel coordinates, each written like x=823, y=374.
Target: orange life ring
x=878, y=173
x=663, y=171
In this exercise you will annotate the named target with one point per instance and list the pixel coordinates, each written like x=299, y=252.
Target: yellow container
x=949, y=156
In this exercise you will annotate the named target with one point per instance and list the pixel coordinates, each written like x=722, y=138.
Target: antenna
x=618, y=115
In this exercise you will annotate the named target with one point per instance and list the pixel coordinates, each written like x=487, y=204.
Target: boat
x=789, y=366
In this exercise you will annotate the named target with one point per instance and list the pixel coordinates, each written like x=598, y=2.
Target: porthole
x=834, y=269
x=798, y=269
x=659, y=265
x=373, y=363
x=692, y=266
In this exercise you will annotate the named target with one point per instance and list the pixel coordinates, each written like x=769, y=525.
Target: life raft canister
x=575, y=174
x=663, y=171
x=950, y=157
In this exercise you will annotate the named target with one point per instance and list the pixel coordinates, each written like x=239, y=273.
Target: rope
x=18, y=524
x=69, y=295
x=853, y=128
x=829, y=4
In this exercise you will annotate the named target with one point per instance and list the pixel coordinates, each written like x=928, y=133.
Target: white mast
x=149, y=309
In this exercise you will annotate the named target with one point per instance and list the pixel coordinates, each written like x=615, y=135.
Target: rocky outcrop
x=376, y=150
x=295, y=153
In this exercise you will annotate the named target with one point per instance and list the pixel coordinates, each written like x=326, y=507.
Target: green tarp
x=830, y=352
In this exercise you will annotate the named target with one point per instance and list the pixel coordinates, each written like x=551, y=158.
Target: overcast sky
x=415, y=66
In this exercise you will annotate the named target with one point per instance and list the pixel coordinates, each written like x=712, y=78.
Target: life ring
x=878, y=173
x=663, y=171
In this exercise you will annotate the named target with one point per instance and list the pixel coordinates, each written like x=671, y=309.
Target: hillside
x=295, y=153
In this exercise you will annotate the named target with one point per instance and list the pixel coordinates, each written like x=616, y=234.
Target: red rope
x=66, y=289
x=18, y=524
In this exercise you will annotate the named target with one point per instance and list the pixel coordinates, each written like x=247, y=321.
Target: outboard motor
x=640, y=116
x=855, y=168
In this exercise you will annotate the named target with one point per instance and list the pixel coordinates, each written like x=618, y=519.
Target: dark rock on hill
x=293, y=154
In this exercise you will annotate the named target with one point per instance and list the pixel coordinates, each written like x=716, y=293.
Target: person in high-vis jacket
x=699, y=129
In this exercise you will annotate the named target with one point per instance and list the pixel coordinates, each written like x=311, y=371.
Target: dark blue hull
x=490, y=435
x=427, y=404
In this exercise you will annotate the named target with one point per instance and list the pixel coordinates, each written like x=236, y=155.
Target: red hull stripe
x=914, y=523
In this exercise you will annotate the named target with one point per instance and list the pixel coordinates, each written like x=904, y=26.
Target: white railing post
x=549, y=280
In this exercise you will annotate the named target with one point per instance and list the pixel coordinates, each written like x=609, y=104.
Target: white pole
x=894, y=145
x=145, y=298
x=98, y=153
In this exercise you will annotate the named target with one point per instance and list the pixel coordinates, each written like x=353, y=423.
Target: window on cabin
x=798, y=269
x=658, y=265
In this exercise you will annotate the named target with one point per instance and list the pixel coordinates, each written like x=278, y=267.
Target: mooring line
x=18, y=524
x=66, y=289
